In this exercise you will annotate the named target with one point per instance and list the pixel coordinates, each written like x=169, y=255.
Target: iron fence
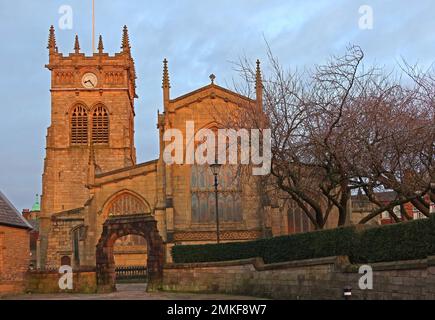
x=131, y=274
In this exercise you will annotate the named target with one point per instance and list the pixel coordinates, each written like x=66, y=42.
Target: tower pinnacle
x=52, y=40
x=100, y=45
x=166, y=82
x=258, y=80
x=125, y=40
x=77, y=45
x=259, y=85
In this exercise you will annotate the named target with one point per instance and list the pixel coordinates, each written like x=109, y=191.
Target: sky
x=198, y=38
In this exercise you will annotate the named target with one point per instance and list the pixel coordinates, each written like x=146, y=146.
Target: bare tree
x=394, y=143
x=341, y=127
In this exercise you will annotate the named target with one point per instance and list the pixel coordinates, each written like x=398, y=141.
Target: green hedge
x=403, y=241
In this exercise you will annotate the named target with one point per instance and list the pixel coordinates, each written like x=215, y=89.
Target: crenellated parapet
x=112, y=72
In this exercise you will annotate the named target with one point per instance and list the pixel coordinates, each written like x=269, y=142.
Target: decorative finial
x=77, y=45
x=259, y=86
x=166, y=83
x=100, y=44
x=52, y=40
x=258, y=74
x=212, y=78
x=125, y=40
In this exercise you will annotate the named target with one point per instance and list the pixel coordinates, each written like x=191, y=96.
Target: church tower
x=92, y=121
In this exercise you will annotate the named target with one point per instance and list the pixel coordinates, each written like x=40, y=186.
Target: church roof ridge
x=108, y=173
x=209, y=86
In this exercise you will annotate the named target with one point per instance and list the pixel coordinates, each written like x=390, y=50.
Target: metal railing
x=131, y=274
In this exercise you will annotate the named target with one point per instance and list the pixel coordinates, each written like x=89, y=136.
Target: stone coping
x=395, y=265
x=55, y=271
x=340, y=262
x=137, y=217
x=259, y=264
x=72, y=212
x=126, y=169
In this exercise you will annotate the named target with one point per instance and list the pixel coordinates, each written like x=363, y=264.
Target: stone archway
x=118, y=226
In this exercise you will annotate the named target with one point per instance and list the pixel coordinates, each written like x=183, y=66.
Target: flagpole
x=93, y=26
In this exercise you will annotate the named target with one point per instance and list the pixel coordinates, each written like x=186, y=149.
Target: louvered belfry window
x=100, y=126
x=79, y=126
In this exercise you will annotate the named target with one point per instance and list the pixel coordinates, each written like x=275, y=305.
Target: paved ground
x=129, y=292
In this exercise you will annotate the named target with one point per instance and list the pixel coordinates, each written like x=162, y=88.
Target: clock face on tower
x=89, y=80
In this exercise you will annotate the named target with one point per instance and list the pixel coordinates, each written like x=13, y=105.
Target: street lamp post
x=432, y=204
x=215, y=167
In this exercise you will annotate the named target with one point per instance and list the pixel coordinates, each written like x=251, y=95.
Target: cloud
x=198, y=38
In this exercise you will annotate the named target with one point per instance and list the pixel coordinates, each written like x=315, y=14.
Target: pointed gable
x=10, y=216
x=211, y=90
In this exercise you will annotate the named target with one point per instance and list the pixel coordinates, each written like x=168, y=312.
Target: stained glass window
x=203, y=197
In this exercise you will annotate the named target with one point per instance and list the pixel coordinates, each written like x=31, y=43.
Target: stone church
x=91, y=174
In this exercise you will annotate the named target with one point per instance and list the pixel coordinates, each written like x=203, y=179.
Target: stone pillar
x=42, y=244
x=170, y=222
x=106, y=275
x=160, y=216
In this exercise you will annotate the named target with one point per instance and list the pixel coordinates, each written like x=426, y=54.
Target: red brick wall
x=14, y=258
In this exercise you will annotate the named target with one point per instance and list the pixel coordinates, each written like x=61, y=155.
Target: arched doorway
x=116, y=227
x=131, y=259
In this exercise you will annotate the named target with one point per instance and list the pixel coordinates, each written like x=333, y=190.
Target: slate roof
x=10, y=216
x=387, y=196
x=384, y=196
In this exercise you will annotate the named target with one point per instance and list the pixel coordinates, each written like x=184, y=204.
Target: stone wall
x=60, y=242
x=14, y=258
x=323, y=278
x=84, y=281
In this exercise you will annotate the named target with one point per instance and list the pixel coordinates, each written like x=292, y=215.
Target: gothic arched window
x=79, y=125
x=126, y=204
x=100, y=125
x=203, y=197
